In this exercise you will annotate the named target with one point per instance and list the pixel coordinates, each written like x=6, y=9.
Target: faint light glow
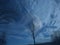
x=37, y=22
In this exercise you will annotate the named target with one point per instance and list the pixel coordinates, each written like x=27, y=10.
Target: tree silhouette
x=56, y=37
x=33, y=32
x=50, y=24
x=3, y=38
x=31, y=25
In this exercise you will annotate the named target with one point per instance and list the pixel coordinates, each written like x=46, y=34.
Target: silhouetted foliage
x=56, y=42
x=56, y=38
x=3, y=39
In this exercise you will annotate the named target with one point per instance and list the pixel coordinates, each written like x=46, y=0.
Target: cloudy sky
x=37, y=11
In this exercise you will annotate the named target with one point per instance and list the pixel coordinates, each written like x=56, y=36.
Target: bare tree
x=32, y=26
x=33, y=32
x=45, y=26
